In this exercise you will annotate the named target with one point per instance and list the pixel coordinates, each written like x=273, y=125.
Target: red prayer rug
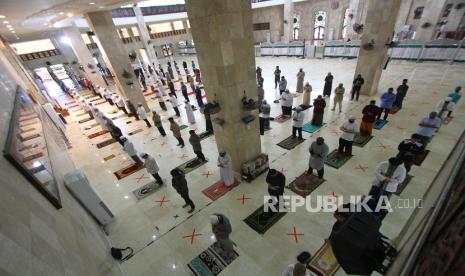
x=93, y=135
x=281, y=118
x=122, y=173
x=218, y=189
x=106, y=143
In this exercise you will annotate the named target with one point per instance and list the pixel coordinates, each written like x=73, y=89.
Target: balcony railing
x=167, y=34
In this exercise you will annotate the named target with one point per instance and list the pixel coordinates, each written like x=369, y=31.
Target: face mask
x=351, y=121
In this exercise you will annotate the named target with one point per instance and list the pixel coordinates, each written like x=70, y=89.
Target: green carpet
x=261, y=221
x=290, y=142
x=190, y=165
x=361, y=140
x=336, y=160
x=181, y=127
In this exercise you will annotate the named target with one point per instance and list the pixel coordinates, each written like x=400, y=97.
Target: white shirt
x=174, y=101
x=142, y=113
x=119, y=101
x=107, y=94
x=289, y=271
x=349, y=136
x=129, y=148
x=101, y=90
x=428, y=131
x=298, y=119
x=397, y=177
x=151, y=165
x=287, y=99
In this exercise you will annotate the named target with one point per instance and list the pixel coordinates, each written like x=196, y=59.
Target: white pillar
x=288, y=21
x=431, y=14
x=145, y=36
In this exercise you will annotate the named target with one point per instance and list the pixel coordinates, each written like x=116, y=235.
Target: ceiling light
x=91, y=3
x=5, y=22
x=101, y=7
x=8, y=26
x=45, y=24
x=13, y=32
x=61, y=13
x=2, y=16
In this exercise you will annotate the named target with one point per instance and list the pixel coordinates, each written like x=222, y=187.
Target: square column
x=115, y=55
x=378, y=28
x=288, y=35
x=145, y=37
x=222, y=32
x=431, y=14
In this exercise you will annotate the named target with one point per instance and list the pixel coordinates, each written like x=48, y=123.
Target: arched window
x=320, y=22
x=296, y=27
x=345, y=23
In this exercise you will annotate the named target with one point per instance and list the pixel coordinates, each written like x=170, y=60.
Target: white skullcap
x=214, y=219
x=448, y=99
x=352, y=117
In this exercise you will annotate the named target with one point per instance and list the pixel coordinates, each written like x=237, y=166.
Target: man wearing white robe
x=226, y=172
x=444, y=107
x=189, y=112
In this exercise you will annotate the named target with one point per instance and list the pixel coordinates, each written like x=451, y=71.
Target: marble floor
x=156, y=230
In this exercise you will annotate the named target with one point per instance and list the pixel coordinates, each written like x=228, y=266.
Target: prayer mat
x=336, y=159
x=210, y=262
x=404, y=184
x=361, y=140
x=305, y=184
x=72, y=106
x=33, y=122
x=27, y=138
x=290, y=142
x=85, y=120
x=145, y=191
x=420, y=158
x=95, y=98
x=92, y=126
x=135, y=132
x=218, y=189
x=447, y=120
x=109, y=157
x=379, y=124
x=281, y=118
x=93, y=135
x=32, y=157
x=80, y=114
x=70, y=102
x=119, y=116
x=261, y=221
x=205, y=135
x=122, y=173
x=305, y=107
x=101, y=102
x=308, y=127
x=181, y=127
x=106, y=143
x=324, y=262
x=149, y=94
x=27, y=130
x=32, y=146
x=191, y=165
x=128, y=122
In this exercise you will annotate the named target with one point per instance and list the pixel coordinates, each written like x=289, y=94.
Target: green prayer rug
x=191, y=165
x=181, y=127
x=361, y=140
x=290, y=142
x=261, y=221
x=336, y=159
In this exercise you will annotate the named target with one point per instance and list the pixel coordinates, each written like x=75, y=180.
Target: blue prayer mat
x=308, y=127
x=379, y=124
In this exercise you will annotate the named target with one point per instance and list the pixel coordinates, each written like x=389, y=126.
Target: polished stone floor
x=156, y=231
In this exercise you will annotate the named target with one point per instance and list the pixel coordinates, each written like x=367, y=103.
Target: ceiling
x=27, y=16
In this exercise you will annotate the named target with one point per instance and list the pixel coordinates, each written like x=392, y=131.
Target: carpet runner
x=336, y=159
x=290, y=142
x=305, y=184
x=218, y=189
x=210, y=262
x=261, y=221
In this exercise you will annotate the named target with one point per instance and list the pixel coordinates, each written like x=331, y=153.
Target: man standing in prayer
x=456, y=95
x=369, y=117
x=260, y=93
x=356, y=86
x=348, y=128
x=338, y=97
x=319, y=105
x=276, y=182
x=409, y=149
x=172, y=89
x=131, y=150
x=157, y=122
x=194, y=140
x=189, y=112
x=107, y=96
x=282, y=85
x=152, y=167
x=445, y=107
x=115, y=132
x=184, y=91
x=221, y=228
x=277, y=76
x=401, y=93
x=286, y=105
x=427, y=127
x=180, y=185
x=297, y=122
x=300, y=81
x=318, y=153
x=258, y=71
x=174, y=103
x=132, y=109
x=387, y=100
x=226, y=172
x=143, y=114
x=198, y=96
x=265, y=110
x=208, y=119
x=328, y=85
x=307, y=95
x=174, y=127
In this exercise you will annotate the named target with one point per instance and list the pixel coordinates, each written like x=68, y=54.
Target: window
x=296, y=27
x=261, y=26
x=123, y=32
x=86, y=38
x=188, y=24
x=345, y=23
x=33, y=46
x=135, y=31
x=161, y=27
x=178, y=25
x=320, y=22
x=166, y=49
